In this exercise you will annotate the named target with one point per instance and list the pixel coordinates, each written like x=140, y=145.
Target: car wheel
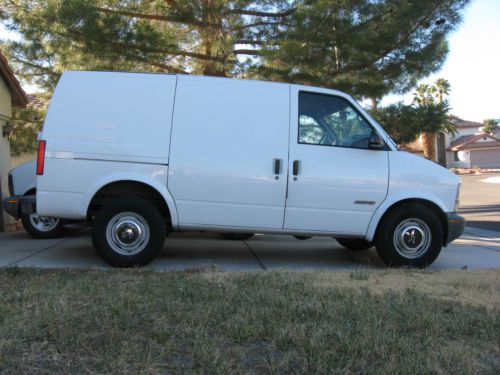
x=128, y=232
x=410, y=235
x=354, y=243
x=237, y=236
x=42, y=226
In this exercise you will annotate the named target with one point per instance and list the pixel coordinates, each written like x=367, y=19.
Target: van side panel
x=226, y=135
x=121, y=114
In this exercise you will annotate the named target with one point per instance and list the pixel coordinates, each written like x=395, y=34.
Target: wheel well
x=128, y=189
x=31, y=191
x=434, y=207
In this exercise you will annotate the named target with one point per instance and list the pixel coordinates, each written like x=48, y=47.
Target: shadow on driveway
x=482, y=216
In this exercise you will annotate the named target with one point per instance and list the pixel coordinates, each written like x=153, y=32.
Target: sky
x=472, y=66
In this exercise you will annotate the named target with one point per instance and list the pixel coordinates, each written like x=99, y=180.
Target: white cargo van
x=140, y=155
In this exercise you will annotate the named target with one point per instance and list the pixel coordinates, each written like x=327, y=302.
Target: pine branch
x=168, y=68
x=43, y=70
x=247, y=52
x=132, y=14
x=262, y=23
x=153, y=17
x=248, y=41
x=246, y=12
x=401, y=40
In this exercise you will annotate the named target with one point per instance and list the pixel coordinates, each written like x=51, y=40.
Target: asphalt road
x=480, y=201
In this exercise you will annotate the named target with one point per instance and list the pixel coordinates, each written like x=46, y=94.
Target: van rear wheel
x=128, y=232
x=41, y=226
x=410, y=235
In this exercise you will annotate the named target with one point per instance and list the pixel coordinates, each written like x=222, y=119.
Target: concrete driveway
x=191, y=251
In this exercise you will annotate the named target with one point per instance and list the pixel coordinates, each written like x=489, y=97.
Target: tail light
x=40, y=161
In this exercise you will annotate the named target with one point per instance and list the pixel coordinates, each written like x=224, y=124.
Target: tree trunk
x=429, y=145
x=213, y=38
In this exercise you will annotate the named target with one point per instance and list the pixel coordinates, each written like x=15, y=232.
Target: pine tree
x=365, y=47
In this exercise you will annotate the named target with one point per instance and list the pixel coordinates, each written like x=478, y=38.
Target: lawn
x=280, y=322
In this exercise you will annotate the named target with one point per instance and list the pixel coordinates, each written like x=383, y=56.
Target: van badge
x=370, y=203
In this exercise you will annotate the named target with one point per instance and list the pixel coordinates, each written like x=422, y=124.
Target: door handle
x=295, y=167
x=277, y=166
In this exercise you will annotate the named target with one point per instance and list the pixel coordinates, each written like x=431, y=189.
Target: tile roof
x=468, y=142
x=459, y=123
x=19, y=98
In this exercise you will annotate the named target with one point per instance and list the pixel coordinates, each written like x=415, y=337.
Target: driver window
x=331, y=121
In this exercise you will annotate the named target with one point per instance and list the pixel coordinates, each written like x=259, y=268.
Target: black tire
x=302, y=238
x=354, y=243
x=130, y=217
x=42, y=227
x=237, y=236
x=420, y=236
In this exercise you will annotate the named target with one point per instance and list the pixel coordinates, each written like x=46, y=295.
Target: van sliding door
x=229, y=153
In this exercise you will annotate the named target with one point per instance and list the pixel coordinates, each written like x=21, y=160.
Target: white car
x=140, y=155
x=22, y=184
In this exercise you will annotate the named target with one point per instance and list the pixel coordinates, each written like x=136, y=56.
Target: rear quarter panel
x=103, y=127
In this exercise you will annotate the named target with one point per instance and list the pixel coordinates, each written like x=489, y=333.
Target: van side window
x=331, y=121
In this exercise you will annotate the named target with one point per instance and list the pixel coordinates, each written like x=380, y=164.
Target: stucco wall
x=5, y=115
x=464, y=157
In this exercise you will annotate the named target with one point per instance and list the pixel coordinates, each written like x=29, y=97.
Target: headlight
x=457, y=199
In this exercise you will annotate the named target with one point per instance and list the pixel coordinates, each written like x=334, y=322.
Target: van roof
x=196, y=76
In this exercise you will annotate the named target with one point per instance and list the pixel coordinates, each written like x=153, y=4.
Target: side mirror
x=376, y=142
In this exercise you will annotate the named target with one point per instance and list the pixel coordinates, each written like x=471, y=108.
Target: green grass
x=139, y=321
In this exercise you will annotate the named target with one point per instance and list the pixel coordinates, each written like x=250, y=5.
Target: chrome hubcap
x=42, y=223
x=127, y=233
x=412, y=238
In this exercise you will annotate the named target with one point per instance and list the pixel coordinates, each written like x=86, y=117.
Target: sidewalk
x=477, y=248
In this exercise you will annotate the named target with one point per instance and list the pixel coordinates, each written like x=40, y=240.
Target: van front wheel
x=410, y=235
x=128, y=232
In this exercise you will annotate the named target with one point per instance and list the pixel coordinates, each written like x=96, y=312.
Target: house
x=11, y=95
x=470, y=147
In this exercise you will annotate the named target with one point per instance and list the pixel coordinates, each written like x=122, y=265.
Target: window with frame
x=331, y=121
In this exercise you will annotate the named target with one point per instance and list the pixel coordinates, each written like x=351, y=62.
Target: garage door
x=485, y=158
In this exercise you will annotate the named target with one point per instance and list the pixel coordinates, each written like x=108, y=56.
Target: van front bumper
x=17, y=205
x=456, y=226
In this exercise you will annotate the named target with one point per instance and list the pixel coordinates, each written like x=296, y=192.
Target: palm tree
x=433, y=114
x=489, y=126
x=422, y=95
x=443, y=88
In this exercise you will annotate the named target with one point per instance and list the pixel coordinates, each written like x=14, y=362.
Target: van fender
x=136, y=177
x=393, y=199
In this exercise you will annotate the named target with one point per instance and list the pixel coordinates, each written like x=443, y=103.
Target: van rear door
x=229, y=152
x=336, y=182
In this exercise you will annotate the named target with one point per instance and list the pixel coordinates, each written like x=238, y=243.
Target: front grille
x=11, y=185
